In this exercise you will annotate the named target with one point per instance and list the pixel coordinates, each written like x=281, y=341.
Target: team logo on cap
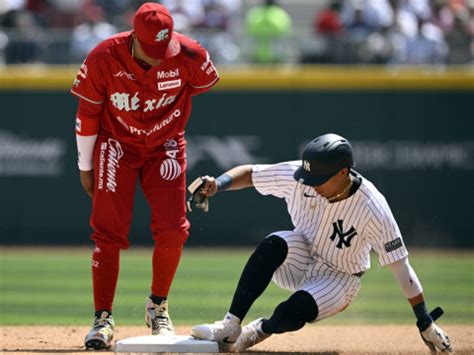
x=162, y=35
x=306, y=165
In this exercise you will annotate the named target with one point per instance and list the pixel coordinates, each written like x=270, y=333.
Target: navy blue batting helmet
x=322, y=158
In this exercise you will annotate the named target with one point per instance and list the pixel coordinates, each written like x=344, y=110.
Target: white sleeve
x=85, y=149
x=406, y=278
x=384, y=234
x=274, y=179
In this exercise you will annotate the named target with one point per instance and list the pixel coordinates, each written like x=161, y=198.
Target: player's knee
x=304, y=306
x=109, y=247
x=171, y=238
x=110, y=240
x=272, y=251
x=292, y=314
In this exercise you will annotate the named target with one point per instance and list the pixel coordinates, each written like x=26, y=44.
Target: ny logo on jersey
x=344, y=237
x=162, y=35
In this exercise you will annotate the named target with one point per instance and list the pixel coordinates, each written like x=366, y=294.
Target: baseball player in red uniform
x=135, y=92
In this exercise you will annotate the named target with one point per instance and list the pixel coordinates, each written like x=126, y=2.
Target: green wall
x=417, y=146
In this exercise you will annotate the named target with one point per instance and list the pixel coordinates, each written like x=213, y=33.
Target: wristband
x=223, y=182
x=423, y=317
x=85, y=150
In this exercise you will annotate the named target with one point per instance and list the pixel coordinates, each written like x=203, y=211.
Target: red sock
x=165, y=263
x=105, y=270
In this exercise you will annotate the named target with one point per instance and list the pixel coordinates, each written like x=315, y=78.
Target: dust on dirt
x=315, y=339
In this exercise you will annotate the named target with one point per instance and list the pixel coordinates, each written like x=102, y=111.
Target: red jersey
x=140, y=106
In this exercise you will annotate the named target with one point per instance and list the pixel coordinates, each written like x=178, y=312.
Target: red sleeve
x=204, y=73
x=88, y=84
x=88, y=118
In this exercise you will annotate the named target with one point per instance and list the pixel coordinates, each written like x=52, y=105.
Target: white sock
x=230, y=317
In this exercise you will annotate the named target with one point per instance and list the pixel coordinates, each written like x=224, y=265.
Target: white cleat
x=224, y=332
x=251, y=334
x=158, y=319
x=101, y=333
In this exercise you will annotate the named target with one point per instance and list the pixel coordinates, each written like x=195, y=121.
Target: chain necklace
x=342, y=193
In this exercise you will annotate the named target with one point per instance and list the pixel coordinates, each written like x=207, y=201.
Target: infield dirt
x=314, y=339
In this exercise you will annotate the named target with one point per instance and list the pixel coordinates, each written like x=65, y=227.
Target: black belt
x=359, y=274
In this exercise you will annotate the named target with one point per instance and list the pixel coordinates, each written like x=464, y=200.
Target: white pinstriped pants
x=332, y=290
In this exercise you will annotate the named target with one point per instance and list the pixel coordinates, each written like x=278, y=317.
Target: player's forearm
x=87, y=128
x=406, y=278
x=236, y=178
x=412, y=289
x=85, y=150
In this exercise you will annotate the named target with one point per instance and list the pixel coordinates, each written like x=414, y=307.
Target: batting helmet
x=322, y=158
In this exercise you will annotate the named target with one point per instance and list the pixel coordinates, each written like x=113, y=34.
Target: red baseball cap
x=153, y=26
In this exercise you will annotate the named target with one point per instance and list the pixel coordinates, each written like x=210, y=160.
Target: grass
x=53, y=287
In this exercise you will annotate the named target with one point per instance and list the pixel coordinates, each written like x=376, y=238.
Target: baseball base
x=165, y=344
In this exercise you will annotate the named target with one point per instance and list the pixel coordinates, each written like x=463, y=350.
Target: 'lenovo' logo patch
x=165, y=85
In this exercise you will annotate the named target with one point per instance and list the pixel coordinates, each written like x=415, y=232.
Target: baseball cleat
x=158, y=319
x=224, y=332
x=101, y=333
x=251, y=334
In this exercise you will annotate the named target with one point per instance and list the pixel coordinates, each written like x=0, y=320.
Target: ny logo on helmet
x=306, y=165
x=162, y=35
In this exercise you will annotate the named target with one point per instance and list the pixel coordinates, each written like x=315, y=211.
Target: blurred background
x=396, y=77
x=248, y=31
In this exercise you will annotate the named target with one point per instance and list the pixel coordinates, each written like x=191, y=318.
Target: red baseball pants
x=161, y=173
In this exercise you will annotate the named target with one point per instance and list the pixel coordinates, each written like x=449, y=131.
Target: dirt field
x=315, y=339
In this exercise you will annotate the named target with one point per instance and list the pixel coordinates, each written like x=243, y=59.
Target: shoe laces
x=102, y=321
x=161, y=319
x=255, y=334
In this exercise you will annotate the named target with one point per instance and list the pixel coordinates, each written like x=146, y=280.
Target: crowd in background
x=257, y=31
x=395, y=32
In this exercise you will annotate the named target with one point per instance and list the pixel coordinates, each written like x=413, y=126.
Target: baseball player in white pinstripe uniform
x=338, y=217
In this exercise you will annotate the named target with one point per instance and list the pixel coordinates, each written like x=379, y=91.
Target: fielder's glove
x=198, y=197
x=433, y=336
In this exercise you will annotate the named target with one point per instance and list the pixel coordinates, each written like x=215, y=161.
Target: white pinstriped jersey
x=341, y=233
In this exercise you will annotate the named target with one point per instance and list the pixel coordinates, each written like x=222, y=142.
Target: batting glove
x=436, y=339
x=198, y=197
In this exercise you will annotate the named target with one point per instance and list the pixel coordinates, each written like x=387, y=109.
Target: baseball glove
x=198, y=197
x=433, y=336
